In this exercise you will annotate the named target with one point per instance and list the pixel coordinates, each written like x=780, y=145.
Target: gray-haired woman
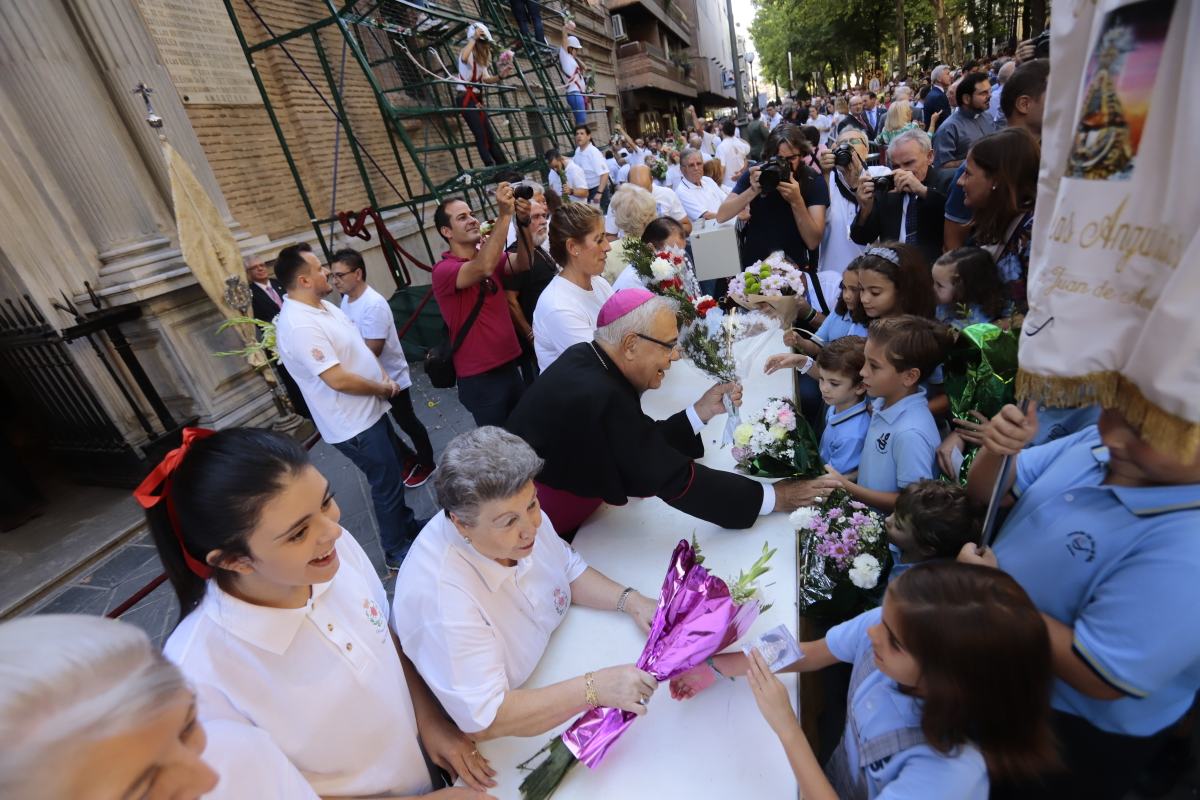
x=90, y=709
x=485, y=585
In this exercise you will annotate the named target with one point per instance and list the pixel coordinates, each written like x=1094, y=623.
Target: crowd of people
x=1053, y=666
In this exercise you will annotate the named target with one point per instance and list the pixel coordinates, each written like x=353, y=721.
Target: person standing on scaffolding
x=568, y=62
x=473, y=62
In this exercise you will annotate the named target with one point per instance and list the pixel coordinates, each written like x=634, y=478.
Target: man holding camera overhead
x=906, y=203
x=787, y=201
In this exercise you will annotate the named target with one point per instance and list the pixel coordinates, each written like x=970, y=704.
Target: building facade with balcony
x=655, y=65
x=712, y=56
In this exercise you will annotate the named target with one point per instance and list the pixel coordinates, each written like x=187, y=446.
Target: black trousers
x=406, y=418
x=1098, y=765
x=485, y=135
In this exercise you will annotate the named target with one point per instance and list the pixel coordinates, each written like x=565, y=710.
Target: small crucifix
x=152, y=119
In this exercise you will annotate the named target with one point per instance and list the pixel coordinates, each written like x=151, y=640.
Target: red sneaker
x=418, y=476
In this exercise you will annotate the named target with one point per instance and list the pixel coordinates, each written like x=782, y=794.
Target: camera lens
x=523, y=192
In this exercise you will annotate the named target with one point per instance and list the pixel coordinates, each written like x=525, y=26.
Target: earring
x=467, y=539
x=993, y=187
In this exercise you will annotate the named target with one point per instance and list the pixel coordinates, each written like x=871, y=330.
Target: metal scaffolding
x=402, y=49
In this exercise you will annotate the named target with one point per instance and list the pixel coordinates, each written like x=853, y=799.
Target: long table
x=717, y=744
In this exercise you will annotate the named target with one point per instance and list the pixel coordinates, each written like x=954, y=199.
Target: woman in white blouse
x=301, y=687
x=567, y=309
x=485, y=585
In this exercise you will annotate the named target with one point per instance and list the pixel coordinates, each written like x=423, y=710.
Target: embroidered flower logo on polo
x=373, y=614
x=318, y=354
x=560, y=601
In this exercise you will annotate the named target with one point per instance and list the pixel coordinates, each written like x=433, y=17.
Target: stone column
x=125, y=55
x=52, y=84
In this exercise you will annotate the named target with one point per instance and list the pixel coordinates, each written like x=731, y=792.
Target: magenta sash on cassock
x=566, y=511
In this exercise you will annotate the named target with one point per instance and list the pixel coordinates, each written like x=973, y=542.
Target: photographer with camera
x=844, y=165
x=908, y=205
x=787, y=201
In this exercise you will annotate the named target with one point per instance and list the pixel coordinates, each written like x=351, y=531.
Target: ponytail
x=207, y=495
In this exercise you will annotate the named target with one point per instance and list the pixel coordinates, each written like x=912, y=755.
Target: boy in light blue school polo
x=842, y=389
x=1104, y=540
x=902, y=438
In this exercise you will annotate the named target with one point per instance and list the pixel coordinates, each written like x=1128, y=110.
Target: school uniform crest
x=318, y=354
x=1081, y=545
x=882, y=442
x=560, y=601
x=374, y=615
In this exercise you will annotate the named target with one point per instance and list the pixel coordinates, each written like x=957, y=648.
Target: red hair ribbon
x=157, y=487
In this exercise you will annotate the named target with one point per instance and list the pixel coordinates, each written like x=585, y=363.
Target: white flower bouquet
x=776, y=442
x=773, y=284
x=844, y=558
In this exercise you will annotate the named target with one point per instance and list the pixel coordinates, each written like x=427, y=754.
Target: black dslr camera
x=843, y=155
x=772, y=172
x=523, y=192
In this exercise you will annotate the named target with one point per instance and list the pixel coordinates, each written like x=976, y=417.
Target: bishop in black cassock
x=583, y=416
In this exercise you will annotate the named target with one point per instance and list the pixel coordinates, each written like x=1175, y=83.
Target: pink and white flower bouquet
x=844, y=558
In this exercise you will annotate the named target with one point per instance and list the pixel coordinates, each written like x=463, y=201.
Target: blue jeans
x=578, y=104
x=526, y=11
x=376, y=451
x=492, y=395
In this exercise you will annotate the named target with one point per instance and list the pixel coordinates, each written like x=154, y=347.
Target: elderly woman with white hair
x=91, y=710
x=584, y=417
x=486, y=584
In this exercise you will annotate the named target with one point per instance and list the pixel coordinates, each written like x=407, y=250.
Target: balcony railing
x=639, y=59
x=669, y=13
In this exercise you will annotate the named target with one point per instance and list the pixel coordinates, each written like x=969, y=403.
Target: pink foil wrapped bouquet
x=698, y=616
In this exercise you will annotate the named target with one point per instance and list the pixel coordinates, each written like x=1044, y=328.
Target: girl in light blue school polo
x=1104, y=537
x=902, y=439
x=967, y=287
x=951, y=684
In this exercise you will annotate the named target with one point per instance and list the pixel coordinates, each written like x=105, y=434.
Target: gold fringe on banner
x=1164, y=431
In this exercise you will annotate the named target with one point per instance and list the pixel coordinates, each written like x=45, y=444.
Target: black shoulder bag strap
x=466, y=328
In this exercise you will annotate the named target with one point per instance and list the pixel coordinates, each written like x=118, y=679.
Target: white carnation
x=661, y=269
x=803, y=517
x=865, y=571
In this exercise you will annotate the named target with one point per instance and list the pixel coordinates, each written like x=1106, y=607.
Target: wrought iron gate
x=37, y=366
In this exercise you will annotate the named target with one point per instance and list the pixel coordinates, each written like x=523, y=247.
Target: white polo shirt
x=733, y=152
x=575, y=179
x=373, y=317
x=697, y=200
x=322, y=685
x=473, y=627
x=310, y=341
x=591, y=161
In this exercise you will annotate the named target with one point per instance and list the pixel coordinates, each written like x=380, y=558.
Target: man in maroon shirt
x=489, y=383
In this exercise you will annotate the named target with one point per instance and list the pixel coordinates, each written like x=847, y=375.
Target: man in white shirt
x=623, y=172
x=591, y=161
x=373, y=317
x=575, y=188
x=347, y=391
x=696, y=142
x=732, y=152
x=772, y=117
x=699, y=194
x=638, y=154
x=665, y=200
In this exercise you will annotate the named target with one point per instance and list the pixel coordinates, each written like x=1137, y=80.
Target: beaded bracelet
x=624, y=596
x=589, y=690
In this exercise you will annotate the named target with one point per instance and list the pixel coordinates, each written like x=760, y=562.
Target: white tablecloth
x=714, y=745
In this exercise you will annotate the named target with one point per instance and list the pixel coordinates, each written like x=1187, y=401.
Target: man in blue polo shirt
x=1103, y=538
